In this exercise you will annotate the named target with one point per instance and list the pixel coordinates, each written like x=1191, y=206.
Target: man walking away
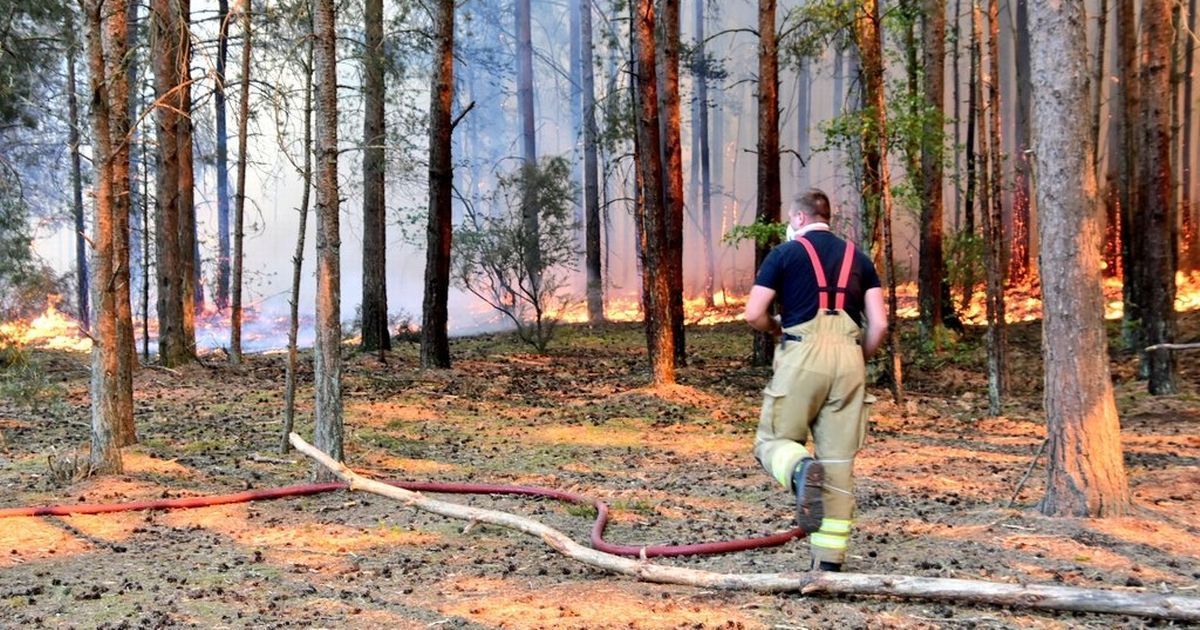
x=824, y=289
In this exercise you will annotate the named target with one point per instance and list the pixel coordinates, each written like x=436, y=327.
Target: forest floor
x=935, y=479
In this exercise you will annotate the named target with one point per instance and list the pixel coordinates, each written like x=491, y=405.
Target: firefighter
x=824, y=289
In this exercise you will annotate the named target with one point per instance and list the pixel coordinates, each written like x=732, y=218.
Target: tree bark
x=435, y=342
x=702, y=145
x=189, y=244
x=1097, y=86
x=529, y=213
x=652, y=210
x=121, y=129
x=221, y=299
x=591, y=184
x=806, y=583
x=1086, y=472
x=1156, y=229
x=929, y=285
x=877, y=180
x=1130, y=186
x=289, y=390
x=81, y=261
x=239, y=219
x=375, y=335
x=956, y=86
x=673, y=161
x=768, y=202
x=174, y=346
x=111, y=385
x=1018, y=267
x=1189, y=252
x=997, y=332
x=327, y=357
x=975, y=141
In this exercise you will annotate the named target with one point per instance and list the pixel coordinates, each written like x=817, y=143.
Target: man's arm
x=758, y=310
x=877, y=325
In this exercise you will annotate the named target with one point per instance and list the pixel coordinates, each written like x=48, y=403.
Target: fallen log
x=1034, y=596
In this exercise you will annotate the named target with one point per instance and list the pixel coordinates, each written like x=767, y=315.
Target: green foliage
x=29, y=39
x=23, y=381
x=964, y=263
x=709, y=66
x=494, y=251
x=814, y=26
x=759, y=232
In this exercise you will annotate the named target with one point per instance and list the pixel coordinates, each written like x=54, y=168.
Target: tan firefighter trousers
x=818, y=389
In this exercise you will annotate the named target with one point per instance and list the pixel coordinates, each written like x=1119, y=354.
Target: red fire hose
x=598, y=542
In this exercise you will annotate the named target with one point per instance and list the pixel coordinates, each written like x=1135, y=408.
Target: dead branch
x=1174, y=346
x=949, y=589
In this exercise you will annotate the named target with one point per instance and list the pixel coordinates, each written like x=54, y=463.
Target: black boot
x=807, y=480
x=832, y=567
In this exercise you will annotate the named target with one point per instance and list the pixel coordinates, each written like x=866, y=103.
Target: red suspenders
x=823, y=289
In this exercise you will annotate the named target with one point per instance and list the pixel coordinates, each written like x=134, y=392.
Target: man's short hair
x=814, y=203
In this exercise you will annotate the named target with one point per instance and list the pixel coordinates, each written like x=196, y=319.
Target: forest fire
x=52, y=329
x=55, y=330
x=697, y=311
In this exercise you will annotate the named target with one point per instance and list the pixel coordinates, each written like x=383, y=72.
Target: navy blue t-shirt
x=788, y=270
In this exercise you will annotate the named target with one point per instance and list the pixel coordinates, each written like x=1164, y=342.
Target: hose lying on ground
x=597, y=536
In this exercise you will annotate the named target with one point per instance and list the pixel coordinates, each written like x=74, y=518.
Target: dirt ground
x=934, y=482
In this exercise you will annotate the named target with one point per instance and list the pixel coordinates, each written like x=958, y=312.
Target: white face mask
x=791, y=233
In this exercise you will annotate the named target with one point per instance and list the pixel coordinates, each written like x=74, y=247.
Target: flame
x=52, y=330
x=1023, y=303
x=725, y=308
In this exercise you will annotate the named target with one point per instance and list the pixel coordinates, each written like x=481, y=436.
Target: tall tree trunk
x=767, y=208
x=1156, y=230
x=933, y=34
x=1097, y=85
x=1086, y=473
x=145, y=255
x=1107, y=164
x=877, y=179
x=174, y=347
x=1189, y=253
x=974, y=117
x=111, y=385
x=591, y=184
x=435, y=343
x=221, y=299
x=702, y=145
x=803, y=123
x=1130, y=187
x=327, y=351
x=653, y=220
x=293, y=359
x=189, y=244
x=575, y=98
x=956, y=86
x=529, y=211
x=997, y=334
x=239, y=219
x=136, y=195
x=375, y=334
x=1018, y=267
x=81, y=261
x=673, y=161
x=120, y=127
